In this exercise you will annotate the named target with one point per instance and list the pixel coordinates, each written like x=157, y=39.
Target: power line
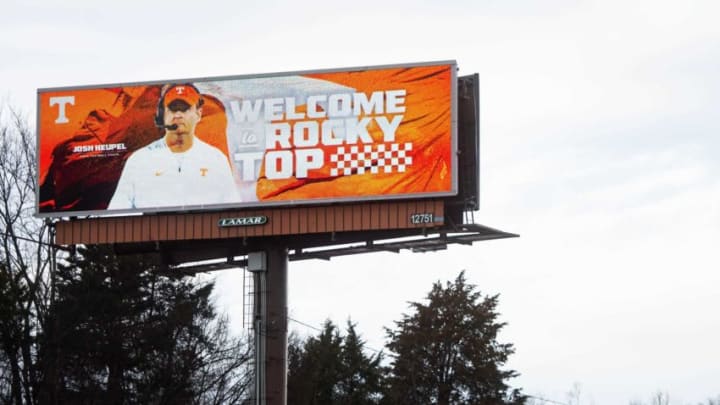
x=320, y=330
x=304, y=324
x=39, y=242
x=547, y=400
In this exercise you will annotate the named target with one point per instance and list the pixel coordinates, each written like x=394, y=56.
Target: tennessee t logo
x=203, y=171
x=61, y=102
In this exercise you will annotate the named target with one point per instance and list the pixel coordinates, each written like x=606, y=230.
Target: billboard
x=315, y=137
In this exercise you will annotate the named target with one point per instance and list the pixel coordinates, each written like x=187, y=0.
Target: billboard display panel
x=315, y=137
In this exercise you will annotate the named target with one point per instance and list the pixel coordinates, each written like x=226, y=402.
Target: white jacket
x=155, y=177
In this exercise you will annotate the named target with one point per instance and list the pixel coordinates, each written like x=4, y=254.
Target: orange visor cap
x=185, y=93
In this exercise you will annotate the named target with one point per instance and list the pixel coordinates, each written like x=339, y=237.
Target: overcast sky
x=599, y=136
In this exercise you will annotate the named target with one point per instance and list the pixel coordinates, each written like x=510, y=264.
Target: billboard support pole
x=277, y=330
x=270, y=269
x=259, y=321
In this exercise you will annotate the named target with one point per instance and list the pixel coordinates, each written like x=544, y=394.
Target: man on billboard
x=179, y=169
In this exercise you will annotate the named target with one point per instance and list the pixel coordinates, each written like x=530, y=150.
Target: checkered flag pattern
x=359, y=159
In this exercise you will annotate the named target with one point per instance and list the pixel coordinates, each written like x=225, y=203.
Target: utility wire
x=320, y=330
x=304, y=324
x=547, y=400
x=39, y=242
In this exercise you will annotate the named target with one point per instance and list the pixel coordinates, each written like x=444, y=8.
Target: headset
x=160, y=111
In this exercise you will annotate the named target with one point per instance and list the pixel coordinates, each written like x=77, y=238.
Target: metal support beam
x=259, y=322
x=269, y=269
x=276, y=329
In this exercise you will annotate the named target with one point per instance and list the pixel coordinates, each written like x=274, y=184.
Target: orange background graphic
x=426, y=124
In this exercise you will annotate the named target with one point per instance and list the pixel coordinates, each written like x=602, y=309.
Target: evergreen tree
x=361, y=379
x=13, y=314
x=332, y=369
x=447, y=352
x=123, y=334
x=313, y=374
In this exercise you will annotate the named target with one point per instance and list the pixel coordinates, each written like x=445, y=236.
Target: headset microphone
x=170, y=127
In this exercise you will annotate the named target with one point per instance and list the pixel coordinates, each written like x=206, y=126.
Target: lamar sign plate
x=242, y=221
